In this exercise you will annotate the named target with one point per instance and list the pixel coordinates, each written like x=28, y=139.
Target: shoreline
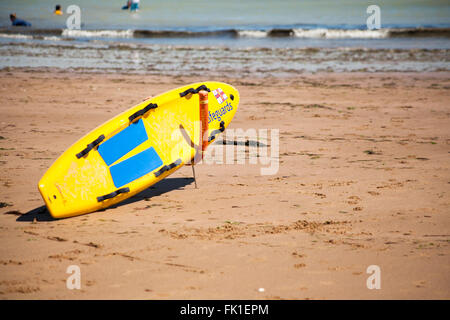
x=227, y=59
x=319, y=74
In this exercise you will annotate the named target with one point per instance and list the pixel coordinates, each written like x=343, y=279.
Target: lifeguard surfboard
x=136, y=149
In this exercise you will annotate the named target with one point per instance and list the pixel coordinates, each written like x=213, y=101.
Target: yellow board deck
x=135, y=149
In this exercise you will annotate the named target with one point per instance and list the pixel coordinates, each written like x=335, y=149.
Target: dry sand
x=364, y=180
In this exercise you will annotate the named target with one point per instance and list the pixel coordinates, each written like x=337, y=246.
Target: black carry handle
x=141, y=112
x=113, y=194
x=168, y=167
x=213, y=134
x=194, y=91
x=91, y=146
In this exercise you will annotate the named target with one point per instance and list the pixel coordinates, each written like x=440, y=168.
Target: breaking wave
x=324, y=33
x=97, y=33
x=341, y=34
x=15, y=36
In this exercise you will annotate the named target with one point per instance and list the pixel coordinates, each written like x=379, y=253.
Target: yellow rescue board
x=135, y=149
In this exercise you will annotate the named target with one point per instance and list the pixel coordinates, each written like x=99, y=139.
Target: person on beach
x=58, y=10
x=16, y=22
x=127, y=6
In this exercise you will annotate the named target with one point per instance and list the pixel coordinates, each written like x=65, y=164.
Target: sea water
x=233, y=37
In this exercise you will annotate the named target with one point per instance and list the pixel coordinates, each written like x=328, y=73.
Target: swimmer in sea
x=58, y=10
x=134, y=5
x=16, y=22
x=127, y=6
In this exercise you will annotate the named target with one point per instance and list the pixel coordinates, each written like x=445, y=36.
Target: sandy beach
x=363, y=179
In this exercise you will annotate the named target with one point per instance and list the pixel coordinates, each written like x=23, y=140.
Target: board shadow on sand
x=42, y=214
x=163, y=186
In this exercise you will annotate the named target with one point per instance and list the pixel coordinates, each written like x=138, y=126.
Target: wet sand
x=364, y=179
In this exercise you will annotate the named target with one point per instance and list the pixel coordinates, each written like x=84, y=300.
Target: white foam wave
x=15, y=36
x=252, y=33
x=341, y=34
x=52, y=38
x=98, y=33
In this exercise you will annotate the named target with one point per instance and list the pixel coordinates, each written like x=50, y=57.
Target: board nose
x=51, y=195
x=233, y=93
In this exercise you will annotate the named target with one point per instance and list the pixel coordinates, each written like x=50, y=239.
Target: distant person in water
x=127, y=6
x=18, y=22
x=134, y=5
x=58, y=10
